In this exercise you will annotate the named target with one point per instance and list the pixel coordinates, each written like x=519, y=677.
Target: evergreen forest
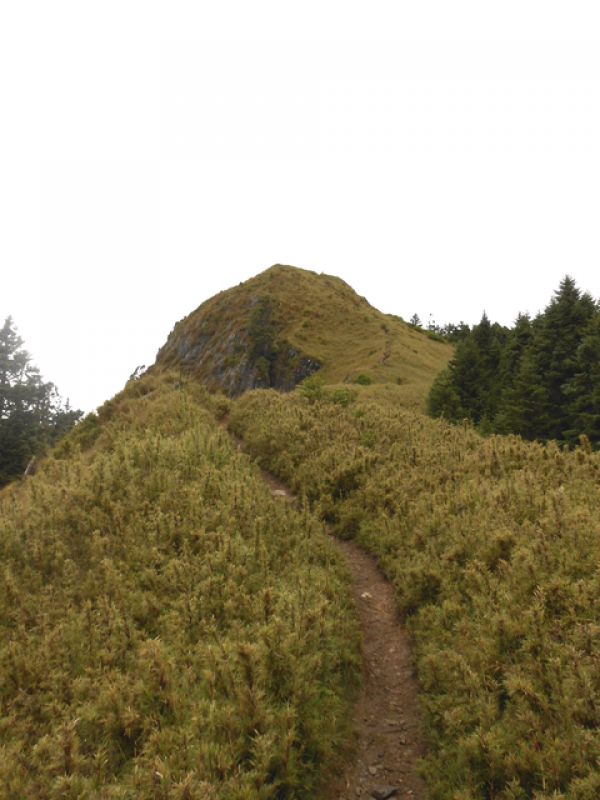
x=539, y=379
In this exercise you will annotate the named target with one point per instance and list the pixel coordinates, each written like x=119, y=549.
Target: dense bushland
x=540, y=379
x=167, y=630
x=493, y=546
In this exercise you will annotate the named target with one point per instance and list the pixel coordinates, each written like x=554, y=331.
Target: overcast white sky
x=441, y=157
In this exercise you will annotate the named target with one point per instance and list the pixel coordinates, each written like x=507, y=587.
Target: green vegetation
x=167, y=630
x=449, y=332
x=294, y=321
x=493, y=548
x=32, y=415
x=262, y=335
x=541, y=379
x=312, y=388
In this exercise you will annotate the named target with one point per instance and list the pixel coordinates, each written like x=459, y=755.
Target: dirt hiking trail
x=388, y=741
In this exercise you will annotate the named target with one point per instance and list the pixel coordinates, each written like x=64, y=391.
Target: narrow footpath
x=386, y=720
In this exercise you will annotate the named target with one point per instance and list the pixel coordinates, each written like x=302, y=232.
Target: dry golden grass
x=323, y=318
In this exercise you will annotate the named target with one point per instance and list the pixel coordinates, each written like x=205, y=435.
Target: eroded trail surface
x=387, y=722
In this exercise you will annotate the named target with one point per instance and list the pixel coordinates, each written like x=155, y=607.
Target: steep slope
x=286, y=324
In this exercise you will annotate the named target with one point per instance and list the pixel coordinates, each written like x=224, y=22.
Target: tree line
x=450, y=332
x=32, y=413
x=539, y=379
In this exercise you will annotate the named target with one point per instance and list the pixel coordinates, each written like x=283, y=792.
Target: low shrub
x=493, y=548
x=167, y=629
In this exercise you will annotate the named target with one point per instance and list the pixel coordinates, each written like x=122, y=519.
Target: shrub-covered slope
x=167, y=630
x=493, y=546
x=286, y=323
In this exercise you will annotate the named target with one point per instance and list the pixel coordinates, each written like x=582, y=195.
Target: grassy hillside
x=167, y=630
x=493, y=547
x=312, y=319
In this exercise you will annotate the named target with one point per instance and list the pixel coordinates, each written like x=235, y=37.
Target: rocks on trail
x=384, y=792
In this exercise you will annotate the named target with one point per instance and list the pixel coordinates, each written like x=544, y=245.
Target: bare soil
x=387, y=353
x=388, y=740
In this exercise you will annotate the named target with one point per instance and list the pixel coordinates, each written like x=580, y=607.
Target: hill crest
x=287, y=323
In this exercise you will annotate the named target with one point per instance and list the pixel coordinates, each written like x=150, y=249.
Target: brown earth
x=388, y=741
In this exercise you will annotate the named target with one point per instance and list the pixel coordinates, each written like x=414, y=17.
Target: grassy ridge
x=167, y=630
x=493, y=546
x=323, y=318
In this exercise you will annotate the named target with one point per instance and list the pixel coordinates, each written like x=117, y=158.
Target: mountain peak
x=287, y=323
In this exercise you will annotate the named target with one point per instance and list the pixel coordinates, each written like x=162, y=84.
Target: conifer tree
x=524, y=403
x=554, y=346
x=31, y=412
x=443, y=399
x=541, y=379
x=583, y=390
x=465, y=369
x=508, y=419
x=490, y=340
x=469, y=388
x=517, y=342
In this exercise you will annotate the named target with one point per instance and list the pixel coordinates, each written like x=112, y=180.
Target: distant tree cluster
x=32, y=414
x=539, y=379
x=450, y=331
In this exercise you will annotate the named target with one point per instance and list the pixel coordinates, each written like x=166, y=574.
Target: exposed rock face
x=237, y=354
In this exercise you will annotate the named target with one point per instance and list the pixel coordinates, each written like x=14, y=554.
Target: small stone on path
x=384, y=792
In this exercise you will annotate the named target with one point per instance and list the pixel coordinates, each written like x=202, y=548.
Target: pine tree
x=517, y=342
x=31, y=413
x=473, y=373
x=524, y=403
x=443, y=399
x=554, y=346
x=583, y=390
x=541, y=379
x=490, y=340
